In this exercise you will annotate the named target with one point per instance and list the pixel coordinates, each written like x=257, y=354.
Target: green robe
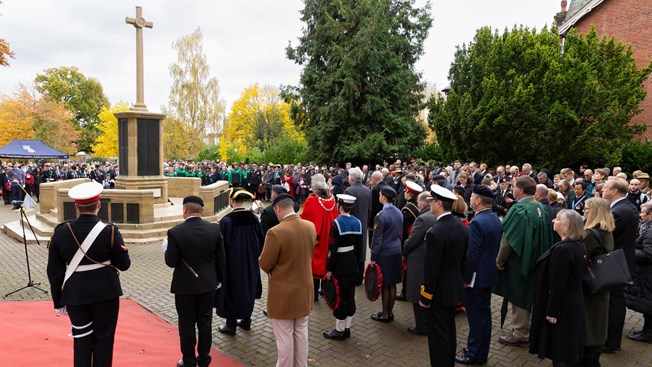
x=527, y=228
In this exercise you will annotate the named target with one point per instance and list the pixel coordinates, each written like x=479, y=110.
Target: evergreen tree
x=516, y=96
x=359, y=89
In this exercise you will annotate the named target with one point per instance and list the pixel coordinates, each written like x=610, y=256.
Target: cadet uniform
x=86, y=286
x=345, y=241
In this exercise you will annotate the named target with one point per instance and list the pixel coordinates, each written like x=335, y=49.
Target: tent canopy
x=27, y=149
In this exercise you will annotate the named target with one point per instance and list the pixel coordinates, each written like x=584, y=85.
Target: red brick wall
x=630, y=22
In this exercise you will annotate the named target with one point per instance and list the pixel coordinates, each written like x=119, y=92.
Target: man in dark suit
x=88, y=288
x=196, y=252
x=442, y=286
x=626, y=220
x=414, y=251
x=503, y=198
x=361, y=210
x=480, y=275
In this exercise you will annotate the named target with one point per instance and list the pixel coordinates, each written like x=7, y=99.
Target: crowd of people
x=449, y=236
x=21, y=179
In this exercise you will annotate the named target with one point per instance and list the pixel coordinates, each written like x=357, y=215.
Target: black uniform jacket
x=87, y=287
x=446, y=243
x=198, y=243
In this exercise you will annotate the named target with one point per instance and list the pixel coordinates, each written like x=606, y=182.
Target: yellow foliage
x=179, y=140
x=26, y=115
x=107, y=142
x=257, y=119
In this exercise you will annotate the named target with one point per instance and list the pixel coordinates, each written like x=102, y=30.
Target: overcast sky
x=244, y=40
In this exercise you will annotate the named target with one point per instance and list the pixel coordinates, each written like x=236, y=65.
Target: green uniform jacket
x=527, y=230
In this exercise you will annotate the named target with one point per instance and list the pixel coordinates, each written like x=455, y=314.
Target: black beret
x=279, y=189
x=388, y=191
x=482, y=190
x=194, y=200
x=438, y=177
x=501, y=180
x=459, y=188
x=280, y=197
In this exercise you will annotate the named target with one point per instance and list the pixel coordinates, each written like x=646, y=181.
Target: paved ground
x=371, y=344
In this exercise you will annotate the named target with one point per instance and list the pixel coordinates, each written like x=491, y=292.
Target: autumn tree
x=513, y=94
x=82, y=95
x=5, y=53
x=258, y=119
x=194, y=108
x=359, y=86
x=107, y=141
x=27, y=115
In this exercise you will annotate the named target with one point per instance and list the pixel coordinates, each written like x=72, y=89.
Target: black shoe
x=391, y=317
x=645, y=337
x=245, y=324
x=634, y=333
x=610, y=350
x=415, y=331
x=400, y=296
x=379, y=317
x=180, y=363
x=335, y=335
x=463, y=359
x=226, y=330
x=347, y=333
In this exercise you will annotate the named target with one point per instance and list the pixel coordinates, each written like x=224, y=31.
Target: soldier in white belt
x=85, y=257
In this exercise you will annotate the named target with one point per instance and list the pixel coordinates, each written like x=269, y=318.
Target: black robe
x=243, y=242
x=558, y=293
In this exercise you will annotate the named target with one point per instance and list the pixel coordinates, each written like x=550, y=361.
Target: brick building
x=629, y=21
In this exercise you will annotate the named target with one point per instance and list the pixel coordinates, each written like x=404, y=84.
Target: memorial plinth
x=140, y=153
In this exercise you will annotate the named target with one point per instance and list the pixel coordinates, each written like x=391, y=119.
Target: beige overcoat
x=286, y=258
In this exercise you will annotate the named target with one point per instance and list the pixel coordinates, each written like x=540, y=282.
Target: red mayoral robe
x=321, y=212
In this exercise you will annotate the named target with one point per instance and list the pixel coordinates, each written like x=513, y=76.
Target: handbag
x=607, y=271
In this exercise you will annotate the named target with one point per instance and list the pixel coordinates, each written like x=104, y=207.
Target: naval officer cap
x=413, y=187
x=484, y=191
x=345, y=199
x=441, y=193
x=192, y=199
x=86, y=193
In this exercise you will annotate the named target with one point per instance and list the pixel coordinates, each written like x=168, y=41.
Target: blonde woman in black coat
x=598, y=240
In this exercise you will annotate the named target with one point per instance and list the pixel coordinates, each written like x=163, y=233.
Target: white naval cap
x=86, y=192
x=442, y=193
x=346, y=199
x=413, y=187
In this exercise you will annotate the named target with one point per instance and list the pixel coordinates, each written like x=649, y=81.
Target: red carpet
x=31, y=335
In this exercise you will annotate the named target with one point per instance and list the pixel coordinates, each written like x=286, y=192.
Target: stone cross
x=139, y=23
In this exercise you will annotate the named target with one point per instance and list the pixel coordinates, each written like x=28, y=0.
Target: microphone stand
x=30, y=282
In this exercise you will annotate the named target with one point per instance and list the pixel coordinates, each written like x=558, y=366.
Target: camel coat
x=286, y=258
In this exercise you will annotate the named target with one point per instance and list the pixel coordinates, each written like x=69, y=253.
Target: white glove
x=164, y=246
x=61, y=311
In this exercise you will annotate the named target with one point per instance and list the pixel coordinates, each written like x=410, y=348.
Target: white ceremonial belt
x=92, y=266
x=345, y=249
